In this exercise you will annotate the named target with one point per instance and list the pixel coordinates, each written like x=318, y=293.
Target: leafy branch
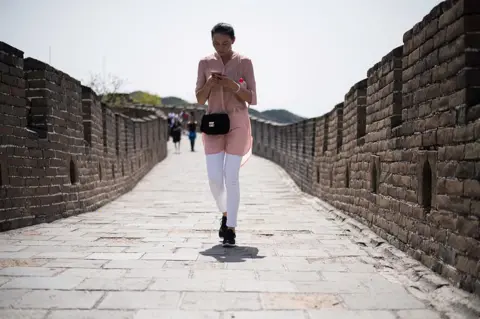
x=108, y=89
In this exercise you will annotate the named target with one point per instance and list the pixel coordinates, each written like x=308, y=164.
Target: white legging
x=223, y=170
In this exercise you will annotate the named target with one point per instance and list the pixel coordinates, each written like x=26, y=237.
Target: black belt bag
x=215, y=124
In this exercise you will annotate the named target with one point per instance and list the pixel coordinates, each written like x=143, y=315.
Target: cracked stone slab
x=177, y=314
x=293, y=276
x=140, y=300
x=418, y=314
x=3, y=280
x=49, y=299
x=186, y=284
x=91, y=314
x=30, y=271
x=288, y=301
x=58, y=282
x=220, y=301
x=386, y=300
x=117, y=284
x=294, y=314
x=8, y=297
x=351, y=314
x=22, y=314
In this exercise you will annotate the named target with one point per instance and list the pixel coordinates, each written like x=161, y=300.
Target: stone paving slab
x=154, y=253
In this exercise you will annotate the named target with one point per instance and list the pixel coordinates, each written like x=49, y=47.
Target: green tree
x=141, y=97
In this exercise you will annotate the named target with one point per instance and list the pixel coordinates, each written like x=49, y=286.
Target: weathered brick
x=466, y=265
x=472, y=188
x=454, y=187
x=468, y=227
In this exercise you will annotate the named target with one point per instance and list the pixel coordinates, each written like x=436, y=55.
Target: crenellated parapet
x=401, y=152
x=62, y=151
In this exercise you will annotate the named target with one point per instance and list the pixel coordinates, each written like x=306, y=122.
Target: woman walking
x=226, y=80
x=192, y=131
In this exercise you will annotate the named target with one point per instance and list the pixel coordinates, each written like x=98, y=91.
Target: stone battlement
x=401, y=152
x=62, y=151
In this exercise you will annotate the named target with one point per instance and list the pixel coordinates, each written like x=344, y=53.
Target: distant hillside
x=256, y=113
x=281, y=116
x=276, y=115
x=172, y=100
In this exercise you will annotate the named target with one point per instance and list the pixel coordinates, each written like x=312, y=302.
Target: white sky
x=324, y=46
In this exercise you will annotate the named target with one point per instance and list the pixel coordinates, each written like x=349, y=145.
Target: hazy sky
x=324, y=46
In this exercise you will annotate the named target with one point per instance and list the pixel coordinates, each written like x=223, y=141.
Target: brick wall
x=401, y=153
x=63, y=152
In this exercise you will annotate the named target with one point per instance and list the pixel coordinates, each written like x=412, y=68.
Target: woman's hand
x=212, y=81
x=227, y=82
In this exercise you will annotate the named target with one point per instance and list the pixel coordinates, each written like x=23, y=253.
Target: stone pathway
x=154, y=253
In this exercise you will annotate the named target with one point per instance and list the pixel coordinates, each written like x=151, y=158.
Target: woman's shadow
x=238, y=254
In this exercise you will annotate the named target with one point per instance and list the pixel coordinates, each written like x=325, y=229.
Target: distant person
x=185, y=120
x=226, y=80
x=177, y=135
x=192, y=131
x=170, y=119
x=170, y=123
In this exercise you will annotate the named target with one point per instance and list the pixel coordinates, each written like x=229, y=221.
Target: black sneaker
x=229, y=239
x=223, y=227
